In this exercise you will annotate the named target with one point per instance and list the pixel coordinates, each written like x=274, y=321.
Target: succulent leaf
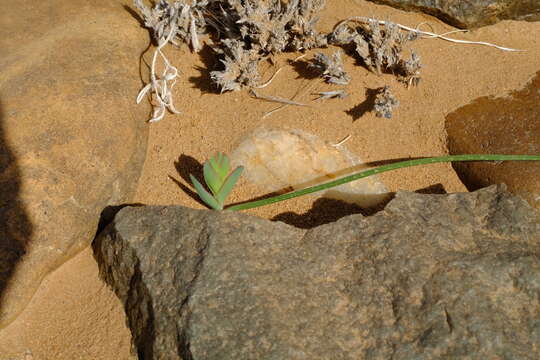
x=220, y=163
x=205, y=195
x=211, y=177
x=229, y=184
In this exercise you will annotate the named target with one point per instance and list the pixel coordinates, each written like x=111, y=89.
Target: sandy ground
x=452, y=76
x=75, y=316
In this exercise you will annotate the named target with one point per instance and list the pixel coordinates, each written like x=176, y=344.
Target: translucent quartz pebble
x=279, y=160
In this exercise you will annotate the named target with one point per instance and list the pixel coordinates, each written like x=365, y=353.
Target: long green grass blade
x=381, y=169
x=229, y=184
x=205, y=195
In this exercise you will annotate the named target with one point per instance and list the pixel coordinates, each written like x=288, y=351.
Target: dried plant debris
x=276, y=99
x=331, y=69
x=240, y=67
x=408, y=71
x=245, y=32
x=257, y=29
x=273, y=26
x=380, y=47
x=304, y=36
x=336, y=94
x=261, y=25
x=176, y=22
x=385, y=102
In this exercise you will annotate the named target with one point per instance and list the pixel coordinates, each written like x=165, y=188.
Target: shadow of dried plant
x=364, y=107
x=304, y=70
x=204, y=82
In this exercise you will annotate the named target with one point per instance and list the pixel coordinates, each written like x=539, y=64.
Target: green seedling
x=219, y=179
x=356, y=176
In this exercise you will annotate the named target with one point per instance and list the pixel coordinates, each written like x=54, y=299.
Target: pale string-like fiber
x=159, y=86
x=269, y=81
x=367, y=20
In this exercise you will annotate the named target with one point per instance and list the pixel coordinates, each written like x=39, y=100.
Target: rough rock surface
x=72, y=138
x=509, y=125
x=277, y=159
x=429, y=277
x=472, y=13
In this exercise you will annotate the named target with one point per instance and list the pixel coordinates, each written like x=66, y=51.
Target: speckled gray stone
x=429, y=277
x=472, y=13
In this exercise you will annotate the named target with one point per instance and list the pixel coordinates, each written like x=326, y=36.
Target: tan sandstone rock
x=472, y=13
x=72, y=138
x=502, y=125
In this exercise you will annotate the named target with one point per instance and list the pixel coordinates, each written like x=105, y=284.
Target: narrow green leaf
x=205, y=195
x=381, y=169
x=229, y=184
x=211, y=178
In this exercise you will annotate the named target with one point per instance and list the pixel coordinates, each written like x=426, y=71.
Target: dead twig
x=324, y=95
x=346, y=138
x=277, y=99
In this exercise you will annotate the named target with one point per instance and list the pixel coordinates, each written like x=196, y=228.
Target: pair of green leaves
x=219, y=179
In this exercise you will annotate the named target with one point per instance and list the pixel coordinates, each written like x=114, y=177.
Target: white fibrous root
x=169, y=24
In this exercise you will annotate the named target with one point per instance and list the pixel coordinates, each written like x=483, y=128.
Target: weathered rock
x=472, y=14
x=72, y=139
x=431, y=276
x=509, y=125
x=279, y=159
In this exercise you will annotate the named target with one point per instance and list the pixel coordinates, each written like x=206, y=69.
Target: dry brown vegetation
x=242, y=33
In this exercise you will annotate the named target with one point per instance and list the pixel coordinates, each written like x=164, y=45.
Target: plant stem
x=381, y=169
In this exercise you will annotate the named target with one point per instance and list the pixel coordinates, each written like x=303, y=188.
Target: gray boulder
x=472, y=13
x=430, y=276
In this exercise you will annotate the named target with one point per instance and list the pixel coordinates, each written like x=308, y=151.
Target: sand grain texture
x=73, y=315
